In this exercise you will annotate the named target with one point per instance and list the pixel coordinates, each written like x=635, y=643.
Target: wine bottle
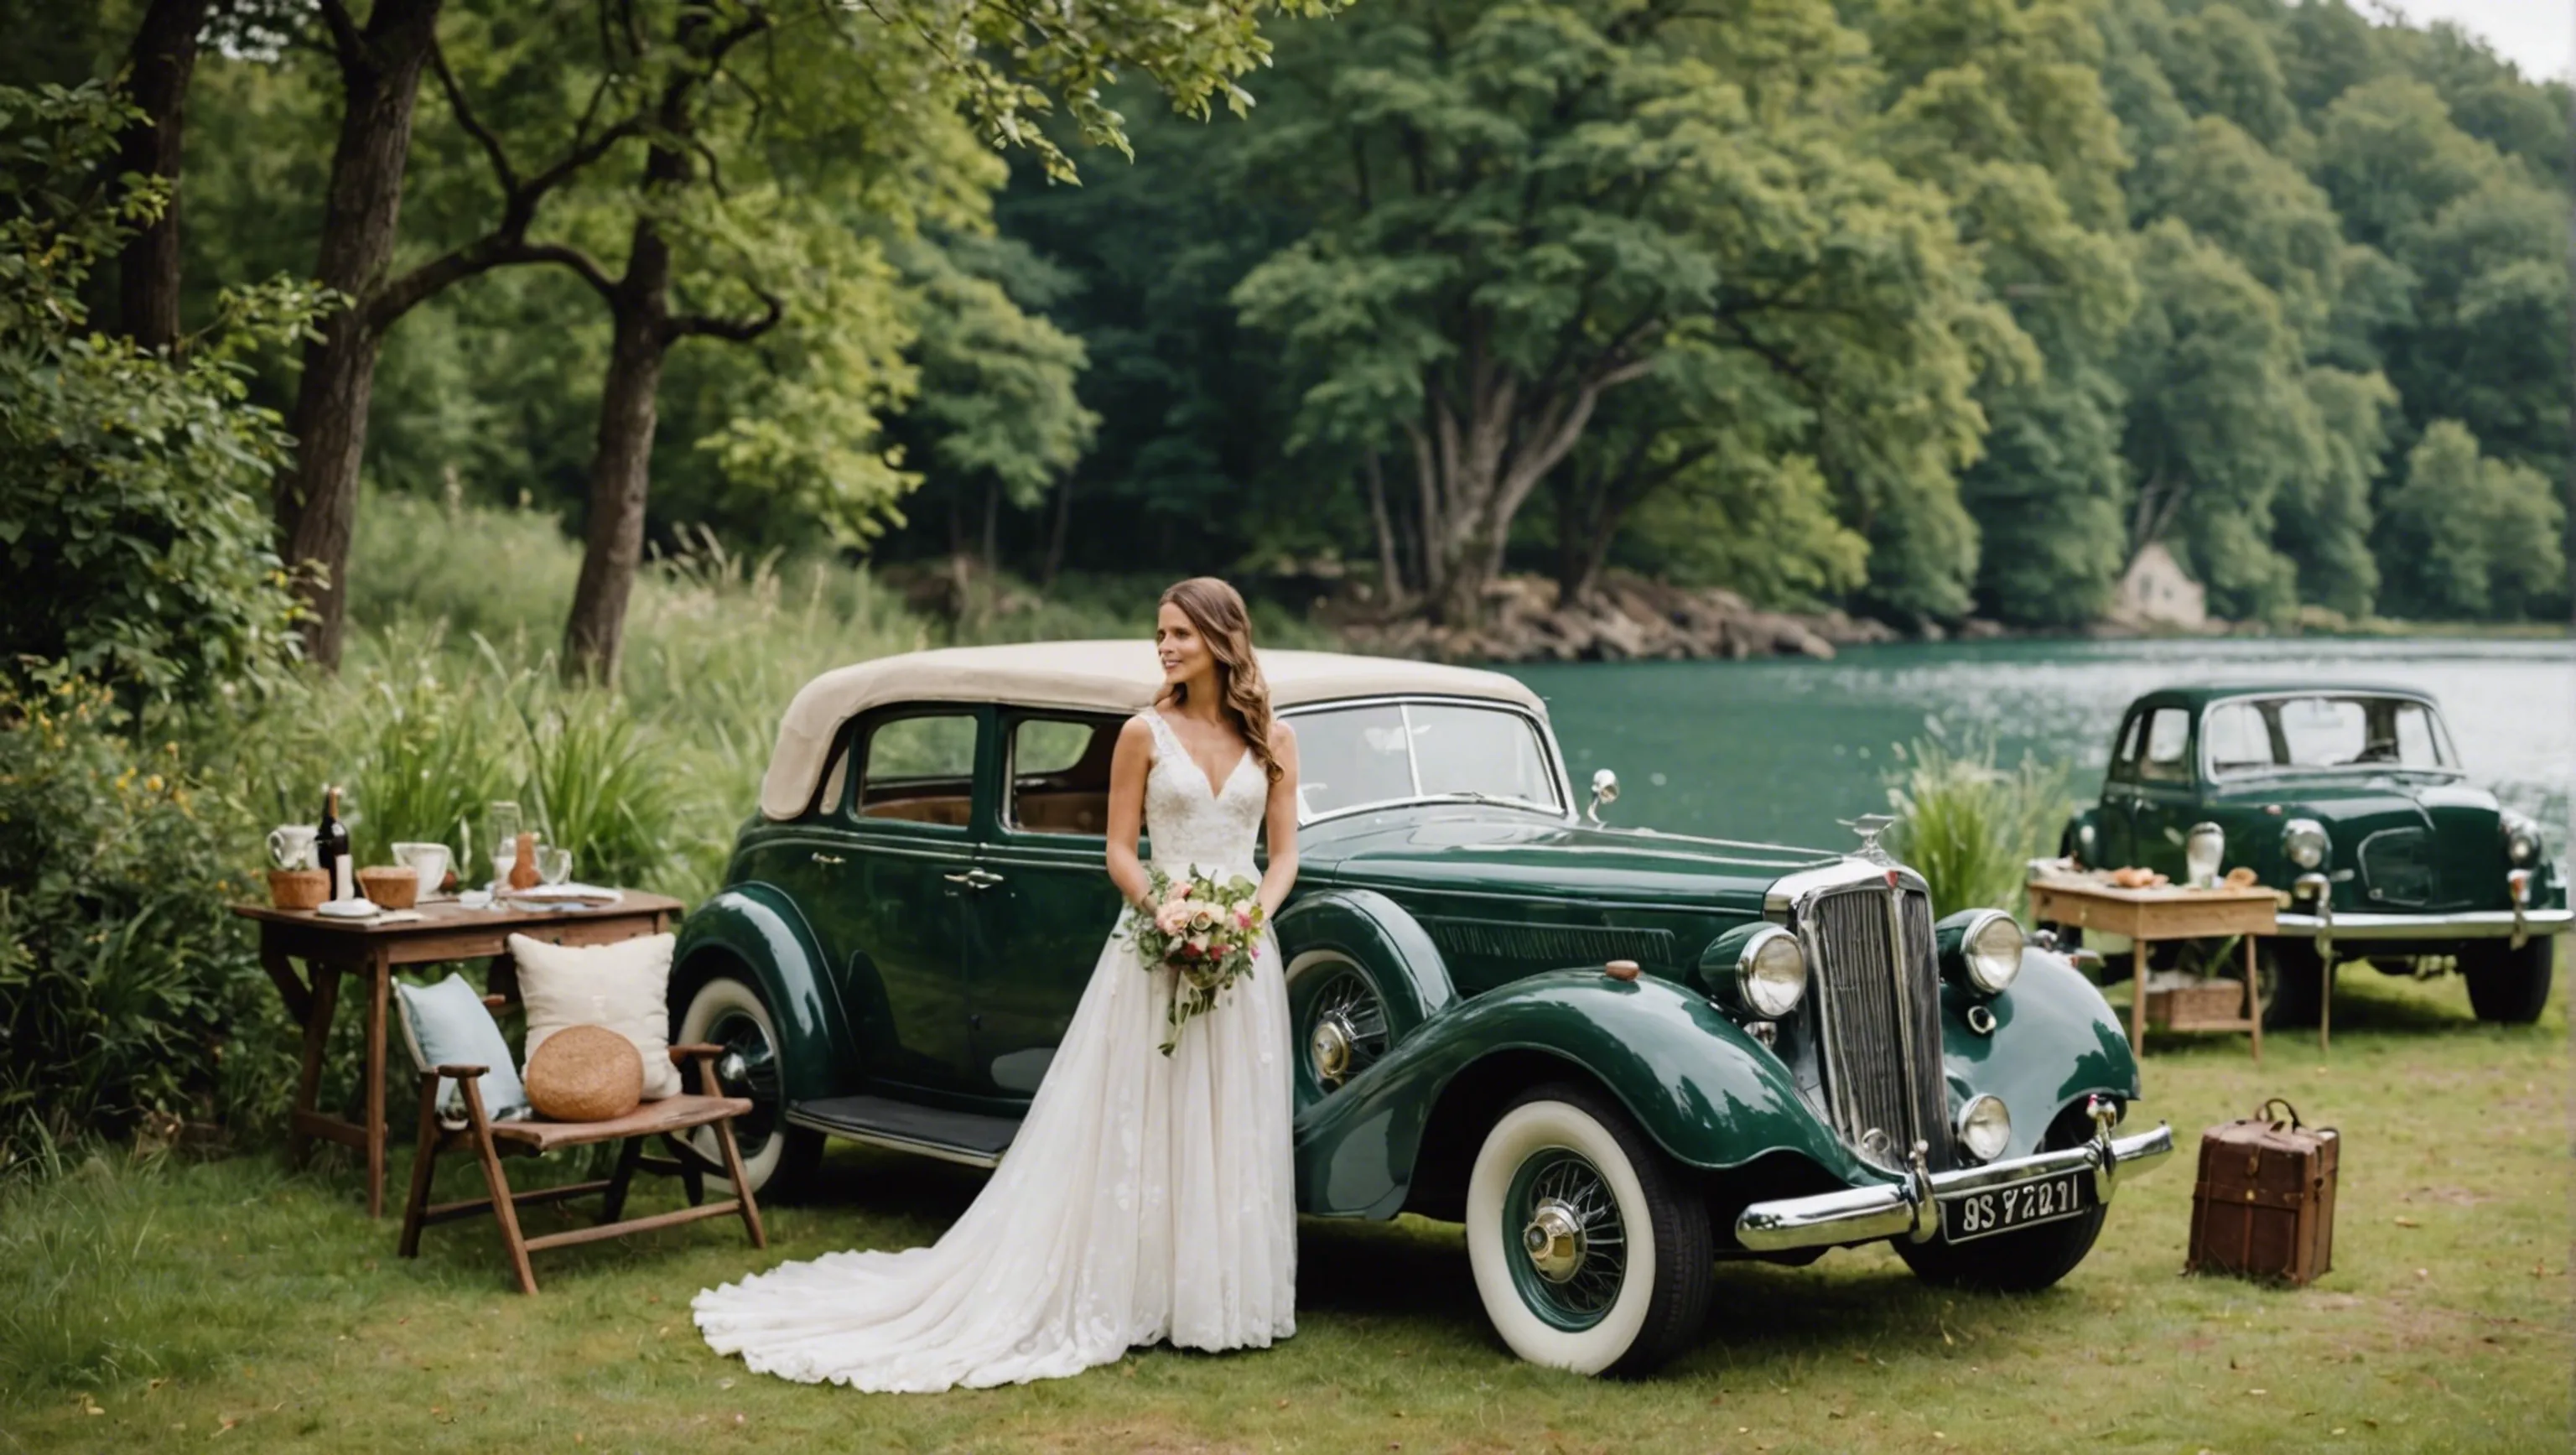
x=331, y=848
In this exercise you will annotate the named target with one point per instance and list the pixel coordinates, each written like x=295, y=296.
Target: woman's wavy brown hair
x=1216, y=610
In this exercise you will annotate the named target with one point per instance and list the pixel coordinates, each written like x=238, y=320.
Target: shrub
x=1971, y=828
x=126, y=988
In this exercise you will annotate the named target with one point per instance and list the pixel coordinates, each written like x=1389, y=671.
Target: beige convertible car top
x=1102, y=676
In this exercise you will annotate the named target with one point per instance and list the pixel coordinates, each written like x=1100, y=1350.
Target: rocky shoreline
x=1628, y=618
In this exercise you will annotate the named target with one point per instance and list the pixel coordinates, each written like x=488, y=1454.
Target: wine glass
x=503, y=819
x=554, y=864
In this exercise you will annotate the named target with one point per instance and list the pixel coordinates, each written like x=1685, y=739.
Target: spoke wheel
x=1341, y=1024
x=1590, y=1248
x=1572, y=1247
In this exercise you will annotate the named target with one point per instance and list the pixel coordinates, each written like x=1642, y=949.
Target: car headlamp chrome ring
x=2304, y=842
x=1985, y=1128
x=1771, y=973
x=1990, y=951
x=2521, y=839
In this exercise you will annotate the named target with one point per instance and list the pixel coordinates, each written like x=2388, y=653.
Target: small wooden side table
x=446, y=930
x=2169, y=913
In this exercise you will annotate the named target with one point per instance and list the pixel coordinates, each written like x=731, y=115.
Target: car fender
x=757, y=928
x=1703, y=1089
x=2055, y=1042
x=1383, y=938
x=2070, y=842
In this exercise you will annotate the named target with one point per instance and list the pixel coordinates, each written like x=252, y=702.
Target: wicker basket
x=2211, y=1003
x=391, y=887
x=298, y=888
x=585, y=1074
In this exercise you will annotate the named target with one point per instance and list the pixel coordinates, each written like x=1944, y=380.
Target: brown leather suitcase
x=2264, y=1205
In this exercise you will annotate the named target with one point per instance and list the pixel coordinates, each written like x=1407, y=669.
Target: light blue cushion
x=447, y=1024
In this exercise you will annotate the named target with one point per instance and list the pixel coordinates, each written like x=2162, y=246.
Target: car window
x=920, y=769
x=1353, y=756
x=2168, y=741
x=2239, y=738
x=1060, y=774
x=2124, y=758
x=2419, y=742
x=1478, y=750
x=2323, y=731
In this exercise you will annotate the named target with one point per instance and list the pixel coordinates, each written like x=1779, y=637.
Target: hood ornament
x=1869, y=826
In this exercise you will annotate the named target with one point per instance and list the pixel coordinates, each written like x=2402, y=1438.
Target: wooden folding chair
x=491, y=1141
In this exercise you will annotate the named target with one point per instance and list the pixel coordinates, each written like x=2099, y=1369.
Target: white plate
x=349, y=909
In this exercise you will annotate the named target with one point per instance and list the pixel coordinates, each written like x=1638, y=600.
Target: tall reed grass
x=1970, y=827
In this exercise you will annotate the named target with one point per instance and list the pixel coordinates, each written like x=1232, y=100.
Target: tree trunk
x=317, y=502
x=621, y=466
x=159, y=64
x=1057, y=533
x=1390, y=575
x=992, y=526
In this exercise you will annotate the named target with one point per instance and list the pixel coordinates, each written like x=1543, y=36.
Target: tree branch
x=347, y=42
x=735, y=330
x=493, y=152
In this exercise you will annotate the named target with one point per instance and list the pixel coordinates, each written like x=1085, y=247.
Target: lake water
x=1781, y=749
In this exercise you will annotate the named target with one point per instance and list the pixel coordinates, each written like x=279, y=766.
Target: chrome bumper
x=2481, y=924
x=1910, y=1209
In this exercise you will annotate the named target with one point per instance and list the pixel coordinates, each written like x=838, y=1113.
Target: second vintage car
x=1615, y=1055
x=2353, y=801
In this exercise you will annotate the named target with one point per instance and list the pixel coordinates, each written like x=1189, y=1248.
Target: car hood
x=2366, y=801
x=1526, y=855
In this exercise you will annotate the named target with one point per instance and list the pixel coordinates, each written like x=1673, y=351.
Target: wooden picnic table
x=443, y=930
x=2169, y=912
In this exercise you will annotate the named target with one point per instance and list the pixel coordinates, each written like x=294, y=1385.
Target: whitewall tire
x=1589, y=1252
x=730, y=1013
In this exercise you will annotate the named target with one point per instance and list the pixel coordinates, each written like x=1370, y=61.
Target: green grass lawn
x=232, y=1302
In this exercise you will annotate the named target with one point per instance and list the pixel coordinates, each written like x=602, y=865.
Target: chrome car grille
x=2397, y=867
x=1881, y=1022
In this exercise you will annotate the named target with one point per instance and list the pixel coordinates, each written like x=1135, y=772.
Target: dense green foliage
x=133, y=487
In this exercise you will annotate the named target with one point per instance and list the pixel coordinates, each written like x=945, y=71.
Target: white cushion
x=623, y=986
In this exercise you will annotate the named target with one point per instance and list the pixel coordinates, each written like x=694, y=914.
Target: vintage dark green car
x=2353, y=800
x=1806, y=1060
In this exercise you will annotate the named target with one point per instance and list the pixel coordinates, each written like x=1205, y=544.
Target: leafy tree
x=2219, y=417
x=1530, y=205
x=2467, y=536
x=133, y=479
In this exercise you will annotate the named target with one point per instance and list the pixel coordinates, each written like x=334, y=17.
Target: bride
x=1146, y=1197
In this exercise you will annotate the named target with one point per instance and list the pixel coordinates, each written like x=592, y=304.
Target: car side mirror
x=1605, y=790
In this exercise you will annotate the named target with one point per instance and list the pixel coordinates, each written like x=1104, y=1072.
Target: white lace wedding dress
x=1145, y=1198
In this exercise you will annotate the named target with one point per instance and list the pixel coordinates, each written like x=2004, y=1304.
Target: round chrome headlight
x=1771, y=973
x=1992, y=946
x=2521, y=839
x=1985, y=1128
x=2304, y=841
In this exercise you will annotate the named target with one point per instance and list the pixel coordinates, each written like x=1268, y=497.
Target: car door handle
x=975, y=878
x=823, y=858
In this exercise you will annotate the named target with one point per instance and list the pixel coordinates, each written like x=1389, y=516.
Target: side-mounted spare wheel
x=1590, y=1250
x=728, y=1011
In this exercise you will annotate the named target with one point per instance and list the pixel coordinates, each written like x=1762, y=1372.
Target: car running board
x=969, y=1137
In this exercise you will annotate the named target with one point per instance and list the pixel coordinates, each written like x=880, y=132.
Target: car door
x=2166, y=795
x=2119, y=796
x=1045, y=906
x=891, y=911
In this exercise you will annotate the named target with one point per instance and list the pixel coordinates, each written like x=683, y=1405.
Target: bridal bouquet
x=1207, y=932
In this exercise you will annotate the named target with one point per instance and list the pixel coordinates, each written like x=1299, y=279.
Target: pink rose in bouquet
x=1207, y=932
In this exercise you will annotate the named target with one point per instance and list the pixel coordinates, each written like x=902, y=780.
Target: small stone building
x=2155, y=590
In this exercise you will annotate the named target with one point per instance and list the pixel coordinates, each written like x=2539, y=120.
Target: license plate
x=1974, y=1215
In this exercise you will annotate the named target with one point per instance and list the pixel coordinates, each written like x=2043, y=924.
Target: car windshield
x=1351, y=757
x=2326, y=730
